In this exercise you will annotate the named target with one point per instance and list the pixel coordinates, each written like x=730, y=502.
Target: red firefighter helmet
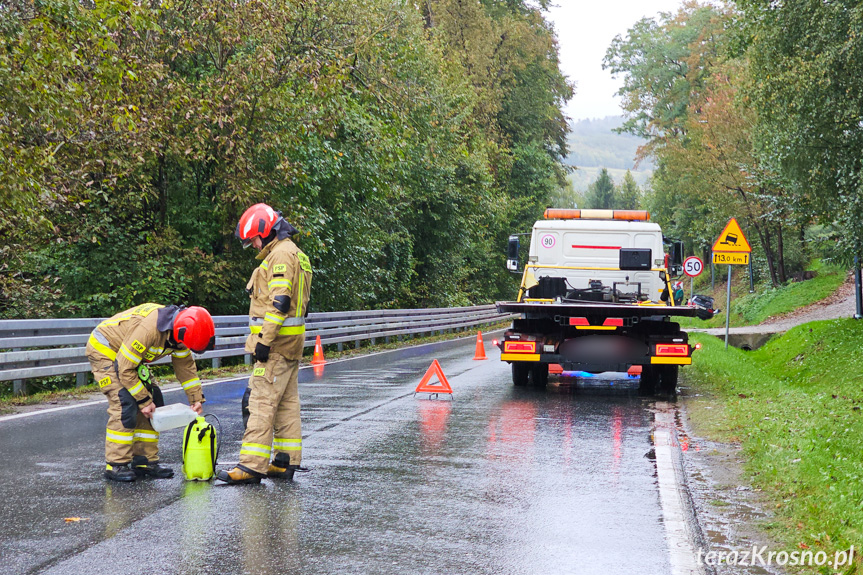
x=256, y=221
x=194, y=328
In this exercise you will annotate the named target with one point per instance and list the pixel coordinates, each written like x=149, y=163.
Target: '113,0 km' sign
x=732, y=258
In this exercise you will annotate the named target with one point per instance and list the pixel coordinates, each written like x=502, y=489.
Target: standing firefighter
x=279, y=289
x=119, y=350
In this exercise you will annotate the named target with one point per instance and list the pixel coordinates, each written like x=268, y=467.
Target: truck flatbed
x=588, y=308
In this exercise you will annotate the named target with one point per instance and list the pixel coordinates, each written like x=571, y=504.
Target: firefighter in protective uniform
x=119, y=350
x=279, y=289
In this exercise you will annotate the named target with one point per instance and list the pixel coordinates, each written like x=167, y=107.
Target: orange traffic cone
x=318, y=358
x=480, y=348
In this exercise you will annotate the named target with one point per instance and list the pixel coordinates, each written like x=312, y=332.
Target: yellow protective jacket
x=279, y=289
x=140, y=334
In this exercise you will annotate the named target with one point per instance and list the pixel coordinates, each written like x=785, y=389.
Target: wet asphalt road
x=502, y=480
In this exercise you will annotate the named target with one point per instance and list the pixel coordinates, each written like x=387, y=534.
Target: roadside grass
x=796, y=408
x=757, y=307
x=10, y=403
x=767, y=301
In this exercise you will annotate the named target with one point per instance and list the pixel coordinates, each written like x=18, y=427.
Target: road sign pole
x=751, y=281
x=728, y=308
x=858, y=289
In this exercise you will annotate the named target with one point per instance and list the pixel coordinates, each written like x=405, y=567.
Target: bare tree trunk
x=429, y=14
x=780, y=248
x=803, y=247
x=764, y=238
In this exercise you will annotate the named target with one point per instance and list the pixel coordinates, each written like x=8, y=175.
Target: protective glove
x=262, y=352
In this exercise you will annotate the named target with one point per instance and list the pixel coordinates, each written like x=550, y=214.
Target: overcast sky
x=585, y=30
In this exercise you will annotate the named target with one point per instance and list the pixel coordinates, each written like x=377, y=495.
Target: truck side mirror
x=512, y=254
x=676, y=264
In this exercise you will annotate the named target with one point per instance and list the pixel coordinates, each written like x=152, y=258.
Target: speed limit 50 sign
x=693, y=266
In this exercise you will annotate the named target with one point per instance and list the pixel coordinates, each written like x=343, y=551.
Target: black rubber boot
x=239, y=476
x=281, y=468
x=121, y=472
x=143, y=468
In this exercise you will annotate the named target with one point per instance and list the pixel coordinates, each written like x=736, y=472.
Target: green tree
x=664, y=62
x=628, y=194
x=682, y=91
x=806, y=61
x=600, y=192
x=405, y=143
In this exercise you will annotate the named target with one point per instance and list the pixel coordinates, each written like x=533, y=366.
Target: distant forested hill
x=593, y=145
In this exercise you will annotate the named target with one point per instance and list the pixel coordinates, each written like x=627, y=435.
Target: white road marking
x=672, y=494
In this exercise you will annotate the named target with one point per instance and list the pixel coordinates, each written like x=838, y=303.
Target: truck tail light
x=519, y=347
x=578, y=321
x=673, y=350
x=616, y=321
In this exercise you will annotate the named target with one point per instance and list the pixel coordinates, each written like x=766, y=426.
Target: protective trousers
x=274, y=415
x=121, y=443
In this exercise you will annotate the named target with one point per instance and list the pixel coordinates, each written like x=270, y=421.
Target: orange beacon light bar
x=628, y=215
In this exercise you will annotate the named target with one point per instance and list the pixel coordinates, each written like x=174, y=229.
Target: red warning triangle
x=441, y=387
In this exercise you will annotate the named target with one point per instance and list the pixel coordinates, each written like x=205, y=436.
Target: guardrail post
x=19, y=386
x=247, y=359
x=356, y=344
x=81, y=379
x=340, y=347
x=217, y=362
x=373, y=340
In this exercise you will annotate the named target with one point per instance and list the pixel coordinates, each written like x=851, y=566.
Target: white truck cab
x=594, y=297
x=585, y=254
x=583, y=250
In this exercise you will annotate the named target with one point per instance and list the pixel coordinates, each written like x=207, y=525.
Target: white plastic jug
x=172, y=416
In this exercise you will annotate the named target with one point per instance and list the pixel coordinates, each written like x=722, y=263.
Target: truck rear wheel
x=539, y=375
x=668, y=379
x=520, y=373
x=649, y=379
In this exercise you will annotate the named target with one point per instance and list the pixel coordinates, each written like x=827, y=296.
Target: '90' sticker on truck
x=547, y=241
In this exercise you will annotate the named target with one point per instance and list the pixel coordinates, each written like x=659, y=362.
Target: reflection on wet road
x=500, y=480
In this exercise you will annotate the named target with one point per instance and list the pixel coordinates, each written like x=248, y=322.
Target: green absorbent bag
x=200, y=449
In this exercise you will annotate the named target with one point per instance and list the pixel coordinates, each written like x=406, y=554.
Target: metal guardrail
x=39, y=348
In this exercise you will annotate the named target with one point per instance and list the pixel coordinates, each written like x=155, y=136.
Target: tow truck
x=595, y=296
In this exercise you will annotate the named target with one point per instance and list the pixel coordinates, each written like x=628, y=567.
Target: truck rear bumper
x=587, y=365
x=671, y=360
x=520, y=357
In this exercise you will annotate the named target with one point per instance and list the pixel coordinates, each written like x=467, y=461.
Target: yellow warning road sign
x=731, y=258
x=732, y=239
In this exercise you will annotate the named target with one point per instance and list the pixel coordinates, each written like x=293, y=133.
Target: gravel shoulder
x=840, y=304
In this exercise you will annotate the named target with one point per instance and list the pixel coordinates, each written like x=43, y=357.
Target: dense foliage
x=404, y=140
x=752, y=110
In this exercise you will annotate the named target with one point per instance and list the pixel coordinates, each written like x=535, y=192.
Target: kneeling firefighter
x=119, y=350
x=279, y=289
